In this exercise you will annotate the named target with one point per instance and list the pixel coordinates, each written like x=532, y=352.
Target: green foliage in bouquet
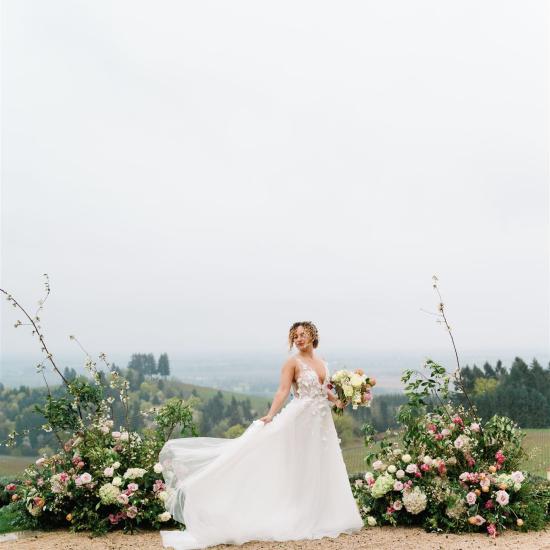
x=450, y=471
x=101, y=477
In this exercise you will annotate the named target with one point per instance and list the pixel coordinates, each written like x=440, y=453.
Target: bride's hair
x=309, y=327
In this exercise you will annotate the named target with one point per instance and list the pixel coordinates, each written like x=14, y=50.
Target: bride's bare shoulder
x=290, y=362
x=290, y=366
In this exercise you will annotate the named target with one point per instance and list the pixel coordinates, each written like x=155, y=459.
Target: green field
x=536, y=443
x=14, y=465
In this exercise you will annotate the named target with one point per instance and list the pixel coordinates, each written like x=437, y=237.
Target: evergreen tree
x=488, y=371
x=233, y=413
x=149, y=365
x=246, y=407
x=136, y=362
x=163, y=368
x=69, y=373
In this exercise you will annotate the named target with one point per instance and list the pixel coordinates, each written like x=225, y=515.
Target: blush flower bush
x=450, y=471
x=93, y=482
x=100, y=478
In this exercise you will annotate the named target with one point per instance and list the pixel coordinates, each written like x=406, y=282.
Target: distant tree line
x=521, y=392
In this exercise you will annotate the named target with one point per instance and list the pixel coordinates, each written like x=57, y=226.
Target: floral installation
x=103, y=476
x=449, y=470
x=351, y=387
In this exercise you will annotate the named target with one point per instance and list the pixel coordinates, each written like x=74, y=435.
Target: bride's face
x=302, y=340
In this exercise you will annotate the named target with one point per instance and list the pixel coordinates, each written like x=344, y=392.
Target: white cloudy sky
x=195, y=176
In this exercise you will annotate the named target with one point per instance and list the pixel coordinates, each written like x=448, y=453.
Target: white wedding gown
x=281, y=480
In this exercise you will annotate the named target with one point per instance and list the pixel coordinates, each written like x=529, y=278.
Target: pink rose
x=114, y=519
x=492, y=530
x=517, y=477
x=132, y=512
x=122, y=498
x=133, y=487
x=158, y=486
x=502, y=497
x=86, y=477
x=471, y=498
x=479, y=520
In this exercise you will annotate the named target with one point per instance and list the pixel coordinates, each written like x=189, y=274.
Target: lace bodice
x=308, y=384
x=310, y=388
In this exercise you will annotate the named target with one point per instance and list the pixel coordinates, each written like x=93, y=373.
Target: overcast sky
x=196, y=176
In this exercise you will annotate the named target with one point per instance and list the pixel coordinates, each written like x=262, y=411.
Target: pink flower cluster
x=159, y=486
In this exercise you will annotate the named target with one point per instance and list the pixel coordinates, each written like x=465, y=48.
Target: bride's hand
x=340, y=404
x=267, y=418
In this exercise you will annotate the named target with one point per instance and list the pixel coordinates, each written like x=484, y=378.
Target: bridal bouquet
x=352, y=387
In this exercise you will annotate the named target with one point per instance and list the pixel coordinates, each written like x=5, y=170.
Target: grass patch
x=7, y=515
x=14, y=465
x=537, y=445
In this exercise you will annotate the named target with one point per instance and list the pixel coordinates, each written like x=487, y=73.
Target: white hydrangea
x=414, y=501
x=456, y=510
x=108, y=493
x=134, y=473
x=382, y=485
x=117, y=481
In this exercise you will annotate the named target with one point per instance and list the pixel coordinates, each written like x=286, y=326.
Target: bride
x=283, y=479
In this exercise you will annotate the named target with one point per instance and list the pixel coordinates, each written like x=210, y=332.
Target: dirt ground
x=379, y=538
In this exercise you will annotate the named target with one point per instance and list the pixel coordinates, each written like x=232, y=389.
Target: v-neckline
x=311, y=368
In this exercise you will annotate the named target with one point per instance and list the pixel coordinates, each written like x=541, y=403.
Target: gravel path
x=379, y=538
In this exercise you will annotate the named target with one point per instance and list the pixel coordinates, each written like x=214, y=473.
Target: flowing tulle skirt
x=284, y=480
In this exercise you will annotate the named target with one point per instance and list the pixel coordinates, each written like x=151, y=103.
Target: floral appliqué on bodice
x=309, y=387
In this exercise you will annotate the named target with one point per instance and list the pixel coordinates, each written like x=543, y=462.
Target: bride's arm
x=287, y=375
